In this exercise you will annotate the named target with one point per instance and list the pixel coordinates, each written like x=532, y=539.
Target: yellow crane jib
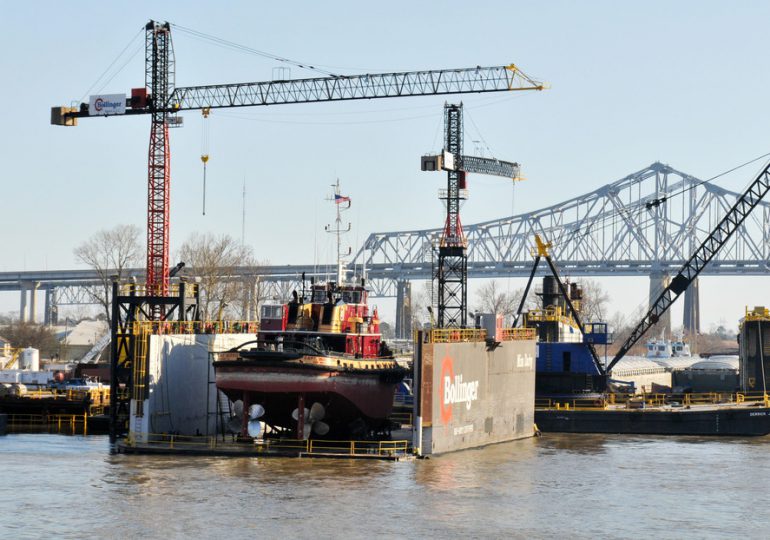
x=517, y=73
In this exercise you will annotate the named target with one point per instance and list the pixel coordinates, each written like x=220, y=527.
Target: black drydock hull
x=743, y=421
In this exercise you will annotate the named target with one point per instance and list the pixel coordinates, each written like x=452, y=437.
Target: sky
x=631, y=83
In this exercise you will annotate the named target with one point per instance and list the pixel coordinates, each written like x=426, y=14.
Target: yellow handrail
x=454, y=335
x=306, y=446
x=196, y=327
x=518, y=334
x=653, y=400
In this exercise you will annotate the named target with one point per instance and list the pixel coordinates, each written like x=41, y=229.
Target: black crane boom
x=698, y=261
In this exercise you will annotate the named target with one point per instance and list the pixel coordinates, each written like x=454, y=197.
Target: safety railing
x=357, y=448
x=72, y=423
x=140, y=289
x=549, y=314
x=305, y=447
x=455, y=335
x=582, y=404
x=753, y=398
x=518, y=334
x=37, y=393
x=652, y=400
x=99, y=396
x=196, y=327
x=759, y=313
x=95, y=395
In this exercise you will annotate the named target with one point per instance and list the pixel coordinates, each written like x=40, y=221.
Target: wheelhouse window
x=351, y=297
x=272, y=311
x=319, y=296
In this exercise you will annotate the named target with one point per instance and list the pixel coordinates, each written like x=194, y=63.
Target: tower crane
x=163, y=100
x=452, y=269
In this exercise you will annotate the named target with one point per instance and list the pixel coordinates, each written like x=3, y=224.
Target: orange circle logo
x=447, y=373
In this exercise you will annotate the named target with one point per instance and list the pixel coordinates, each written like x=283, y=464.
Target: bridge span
x=645, y=224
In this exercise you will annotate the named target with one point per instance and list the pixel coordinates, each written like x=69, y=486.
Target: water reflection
x=556, y=486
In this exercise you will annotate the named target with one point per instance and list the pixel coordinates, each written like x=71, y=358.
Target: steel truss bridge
x=646, y=224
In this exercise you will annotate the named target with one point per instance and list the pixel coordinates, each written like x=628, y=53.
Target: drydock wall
x=180, y=377
x=473, y=395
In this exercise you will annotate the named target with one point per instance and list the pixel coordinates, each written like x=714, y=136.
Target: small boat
x=663, y=348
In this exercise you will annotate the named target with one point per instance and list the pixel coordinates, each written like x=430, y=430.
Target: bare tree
x=110, y=253
x=27, y=334
x=595, y=301
x=421, y=299
x=491, y=298
x=214, y=260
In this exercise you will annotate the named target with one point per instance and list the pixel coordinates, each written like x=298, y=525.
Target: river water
x=557, y=486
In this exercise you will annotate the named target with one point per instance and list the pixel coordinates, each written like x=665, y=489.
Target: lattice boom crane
x=718, y=237
x=161, y=99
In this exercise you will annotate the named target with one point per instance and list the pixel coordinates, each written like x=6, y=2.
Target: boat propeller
x=313, y=420
x=254, y=426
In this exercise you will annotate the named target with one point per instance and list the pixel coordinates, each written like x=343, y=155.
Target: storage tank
x=29, y=359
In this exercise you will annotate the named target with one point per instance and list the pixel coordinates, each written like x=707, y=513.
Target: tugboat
x=318, y=367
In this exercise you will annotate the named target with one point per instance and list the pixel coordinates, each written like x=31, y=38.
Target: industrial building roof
x=630, y=365
x=717, y=362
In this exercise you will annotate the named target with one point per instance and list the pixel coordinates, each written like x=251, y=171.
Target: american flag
x=340, y=199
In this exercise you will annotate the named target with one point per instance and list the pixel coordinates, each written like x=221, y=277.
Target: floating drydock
x=472, y=390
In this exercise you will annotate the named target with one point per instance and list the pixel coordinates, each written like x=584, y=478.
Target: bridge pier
x=23, y=302
x=691, y=317
x=28, y=289
x=51, y=315
x=33, y=301
x=403, y=309
x=658, y=281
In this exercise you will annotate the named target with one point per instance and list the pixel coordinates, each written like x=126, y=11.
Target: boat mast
x=342, y=203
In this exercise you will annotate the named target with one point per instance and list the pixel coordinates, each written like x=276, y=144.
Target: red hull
x=348, y=396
